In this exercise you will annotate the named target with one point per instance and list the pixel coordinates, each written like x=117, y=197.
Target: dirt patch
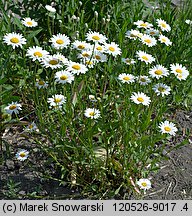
x=173, y=181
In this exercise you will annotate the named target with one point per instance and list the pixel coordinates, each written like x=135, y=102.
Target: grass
x=108, y=155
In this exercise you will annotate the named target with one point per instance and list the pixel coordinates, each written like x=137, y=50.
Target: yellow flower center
x=128, y=60
x=12, y=107
x=59, y=41
x=126, y=78
x=158, y=72
x=163, y=40
x=145, y=58
x=168, y=129
x=89, y=62
x=161, y=89
x=14, y=40
x=147, y=40
x=22, y=154
x=63, y=77
x=140, y=99
x=143, y=25
x=53, y=62
x=81, y=46
x=152, y=33
x=142, y=79
x=92, y=113
x=99, y=48
x=30, y=126
x=178, y=71
x=85, y=54
x=29, y=23
x=132, y=35
x=97, y=57
x=39, y=54
x=41, y=82
x=144, y=184
x=112, y=49
x=95, y=37
x=57, y=100
x=76, y=67
x=163, y=25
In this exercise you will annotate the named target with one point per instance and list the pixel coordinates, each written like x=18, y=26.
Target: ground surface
x=173, y=181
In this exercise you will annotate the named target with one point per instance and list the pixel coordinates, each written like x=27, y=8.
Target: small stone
x=10, y=165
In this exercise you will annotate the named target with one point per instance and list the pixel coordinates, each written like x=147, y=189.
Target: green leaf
x=33, y=34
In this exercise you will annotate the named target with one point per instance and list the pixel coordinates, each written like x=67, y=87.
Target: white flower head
x=36, y=53
x=14, y=107
x=28, y=22
x=62, y=58
x=140, y=98
x=168, y=128
x=161, y=89
x=143, y=56
x=152, y=32
x=92, y=98
x=143, y=80
x=189, y=22
x=31, y=127
x=51, y=61
x=144, y=184
x=64, y=77
x=81, y=45
x=165, y=40
x=178, y=69
x=99, y=56
x=112, y=49
x=148, y=40
x=59, y=41
x=126, y=78
x=128, y=61
x=163, y=25
x=57, y=101
x=92, y=113
x=14, y=39
x=22, y=155
x=76, y=68
x=95, y=37
x=158, y=71
x=142, y=24
x=133, y=34
x=41, y=84
x=50, y=8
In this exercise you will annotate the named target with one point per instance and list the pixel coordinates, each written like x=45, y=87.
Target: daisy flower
x=99, y=47
x=90, y=63
x=50, y=8
x=76, y=68
x=163, y=25
x=189, y=22
x=31, y=127
x=144, y=184
x=128, y=61
x=59, y=41
x=85, y=54
x=178, y=69
x=62, y=58
x=148, y=40
x=14, y=107
x=133, y=34
x=41, y=84
x=158, y=71
x=51, y=61
x=22, y=155
x=80, y=45
x=142, y=24
x=99, y=57
x=182, y=76
x=143, y=56
x=144, y=80
x=161, y=89
x=92, y=98
x=95, y=37
x=14, y=39
x=92, y=113
x=140, y=98
x=36, y=53
x=64, y=77
x=152, y=32
x=28, y=22
x=126, y=78
x=165, y=40
x=112, y=49
x=57, y=101
x=168, y=127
